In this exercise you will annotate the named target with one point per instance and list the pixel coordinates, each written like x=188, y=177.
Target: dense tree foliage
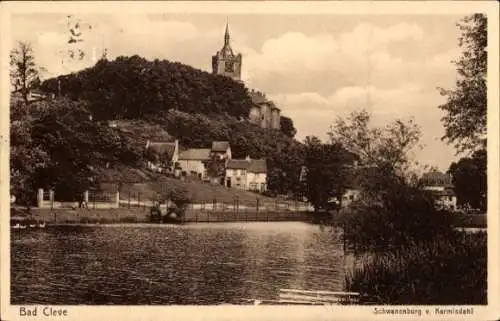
x=470, y=180
x=325, y=172
x=287, y=127
x=133, y=87
x=392, y=209
x=466, y=105
x=27, y=156
x=62, y=148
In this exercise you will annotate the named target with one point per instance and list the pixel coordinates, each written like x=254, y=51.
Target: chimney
x=176, y=144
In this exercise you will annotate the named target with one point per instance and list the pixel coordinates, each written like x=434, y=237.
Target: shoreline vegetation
x=142, y=215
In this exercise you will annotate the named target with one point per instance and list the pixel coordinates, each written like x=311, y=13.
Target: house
x=247, y=174
x=162, y=156
x=192, y=162
x=441, y=186
x=221, y=149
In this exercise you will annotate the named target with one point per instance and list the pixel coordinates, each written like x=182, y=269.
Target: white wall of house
x=237, y=177
x=190, y=166
x=256, y=181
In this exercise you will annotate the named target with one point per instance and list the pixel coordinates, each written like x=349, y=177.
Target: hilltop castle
x=226, y=63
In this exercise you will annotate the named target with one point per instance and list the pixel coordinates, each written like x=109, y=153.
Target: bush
x=446, y=270
x=399, y=215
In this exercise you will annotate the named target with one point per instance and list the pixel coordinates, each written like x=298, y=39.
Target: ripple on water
x=159, y=264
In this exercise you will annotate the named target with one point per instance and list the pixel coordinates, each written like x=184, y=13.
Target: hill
x=67, y=144
x=133, y=87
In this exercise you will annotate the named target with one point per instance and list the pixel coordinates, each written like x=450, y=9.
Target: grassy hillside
x=198, y=192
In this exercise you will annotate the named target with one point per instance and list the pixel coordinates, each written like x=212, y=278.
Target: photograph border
x=223, y=312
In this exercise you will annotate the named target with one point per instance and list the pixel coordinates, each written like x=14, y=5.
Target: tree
x=386, y=147
x=23, y=71
x=325, y=172
x=215, y=167
x=287, y=127
x=470, y=180
x=465, y=119
x=392, y=209
x=27, y=158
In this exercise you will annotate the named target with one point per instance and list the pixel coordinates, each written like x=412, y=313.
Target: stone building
x=225, y=62
x=264, y=112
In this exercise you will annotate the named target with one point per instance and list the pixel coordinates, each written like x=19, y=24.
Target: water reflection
x=157, y=264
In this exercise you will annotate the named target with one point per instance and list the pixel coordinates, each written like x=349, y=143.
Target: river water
x=210, y=263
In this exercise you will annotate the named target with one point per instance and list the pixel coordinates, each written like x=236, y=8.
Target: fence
x=93, y=200
x=131, y=200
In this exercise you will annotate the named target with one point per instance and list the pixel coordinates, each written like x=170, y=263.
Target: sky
x=315, y=67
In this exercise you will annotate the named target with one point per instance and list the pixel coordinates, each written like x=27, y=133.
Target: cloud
x=313, y=114
x=366, y=55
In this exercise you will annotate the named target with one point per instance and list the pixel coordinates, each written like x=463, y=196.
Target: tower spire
x=226, y=35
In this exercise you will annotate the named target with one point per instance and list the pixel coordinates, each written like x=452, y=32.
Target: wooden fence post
x=51, y=197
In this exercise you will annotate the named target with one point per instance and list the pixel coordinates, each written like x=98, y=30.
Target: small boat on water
x=41, y=225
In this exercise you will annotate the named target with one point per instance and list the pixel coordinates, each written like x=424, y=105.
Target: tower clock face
x=229, y=66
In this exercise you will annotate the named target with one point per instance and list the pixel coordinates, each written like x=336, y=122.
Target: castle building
x=225, y=62
x=263, y=112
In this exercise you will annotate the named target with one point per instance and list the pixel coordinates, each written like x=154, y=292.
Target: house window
x=450, y=198
x=238, y=172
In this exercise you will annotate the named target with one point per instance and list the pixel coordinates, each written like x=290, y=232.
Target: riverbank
x=141, y=215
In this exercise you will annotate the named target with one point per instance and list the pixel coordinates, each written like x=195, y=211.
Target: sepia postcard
x=249, y=160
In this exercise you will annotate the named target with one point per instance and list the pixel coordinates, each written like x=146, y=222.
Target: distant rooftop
x=252, y=165
x=220, y=146
x=195, y=154
x=162, y=148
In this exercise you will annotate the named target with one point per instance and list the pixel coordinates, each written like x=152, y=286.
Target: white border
x=490, y=312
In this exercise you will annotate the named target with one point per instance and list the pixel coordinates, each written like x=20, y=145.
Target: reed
x=445, y=270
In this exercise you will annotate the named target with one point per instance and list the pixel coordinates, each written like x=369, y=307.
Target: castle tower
x=225, y=62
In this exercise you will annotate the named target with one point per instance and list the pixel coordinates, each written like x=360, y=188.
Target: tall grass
x=445, y=270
